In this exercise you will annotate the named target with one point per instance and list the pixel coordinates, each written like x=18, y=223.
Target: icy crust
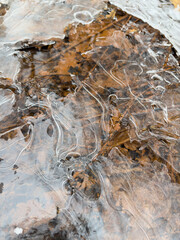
x=159, y=14
x=45, y=19
x=41, y=19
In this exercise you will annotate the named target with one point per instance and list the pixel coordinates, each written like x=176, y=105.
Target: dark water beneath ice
x=89, y=122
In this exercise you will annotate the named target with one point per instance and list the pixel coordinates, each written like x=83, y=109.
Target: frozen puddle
x=89, y=120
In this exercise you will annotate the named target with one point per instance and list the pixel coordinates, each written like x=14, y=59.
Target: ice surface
x=89, y=123
x=161, y=15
